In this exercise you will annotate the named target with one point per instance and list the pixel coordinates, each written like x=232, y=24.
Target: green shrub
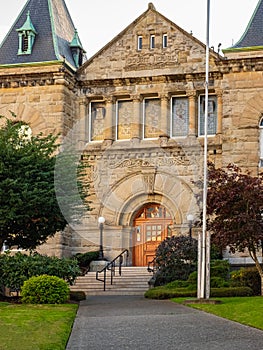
x=168, y=293
x=247, y=277
x=84, y=259
x=163, y=293
x=220, y=268
x=231, y=292
x=16, y=269
x=44, y=289
x=176, y=258
x=77, y=295
x=218, y=282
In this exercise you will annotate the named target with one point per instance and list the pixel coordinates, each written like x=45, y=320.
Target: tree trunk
x=259, y=268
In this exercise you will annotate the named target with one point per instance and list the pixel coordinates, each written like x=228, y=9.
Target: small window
x=165, y=41
x=152, y=41
x=139, y=42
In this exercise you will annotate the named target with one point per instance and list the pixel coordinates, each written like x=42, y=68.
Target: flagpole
x=204, y=241
x=206, y=235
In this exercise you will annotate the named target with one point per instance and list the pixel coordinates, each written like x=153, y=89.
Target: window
x=152, y=41
x=152, y=118
x=261, y=142
x=179, y=116
x=97, y=112
x=165, y=41
x=139, y=42
x=211, y=117
x=124, y=119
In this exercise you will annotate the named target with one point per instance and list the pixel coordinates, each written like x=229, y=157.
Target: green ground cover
x=245, y=310
x=35, y=327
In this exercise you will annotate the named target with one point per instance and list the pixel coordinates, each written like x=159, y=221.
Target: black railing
x=152, y=266
x=111, y=266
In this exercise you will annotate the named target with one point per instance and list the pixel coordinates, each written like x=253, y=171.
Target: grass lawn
x=245, y=310
x=35, y=327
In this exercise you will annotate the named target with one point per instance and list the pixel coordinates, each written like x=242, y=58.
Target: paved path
x=133, y=322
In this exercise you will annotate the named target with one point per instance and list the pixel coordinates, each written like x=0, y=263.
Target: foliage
x=29, y=208
x=176, y=258
x=247, y=277
x=166, y=292
x=44, y=289
x=16, y=269
x=234, y=210
x=84, y=259
x=27, y=326
x=77, y=295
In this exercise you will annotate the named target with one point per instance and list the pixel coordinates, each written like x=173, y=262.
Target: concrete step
x=133, y=281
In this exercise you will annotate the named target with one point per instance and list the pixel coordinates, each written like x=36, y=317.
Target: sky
x=100, y=21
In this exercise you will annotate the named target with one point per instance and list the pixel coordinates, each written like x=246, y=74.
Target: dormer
x=77, y=50
x=26, y=36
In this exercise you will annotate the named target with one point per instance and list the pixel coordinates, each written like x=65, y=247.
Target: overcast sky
x=98, y=21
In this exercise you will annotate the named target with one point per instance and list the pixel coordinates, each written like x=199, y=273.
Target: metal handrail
x=152, y=263
x=111, y=267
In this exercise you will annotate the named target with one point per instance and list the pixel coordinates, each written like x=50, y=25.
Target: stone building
x=136, y=113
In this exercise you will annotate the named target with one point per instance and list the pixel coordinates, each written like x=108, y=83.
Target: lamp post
x=190, y=219
x=101, y=221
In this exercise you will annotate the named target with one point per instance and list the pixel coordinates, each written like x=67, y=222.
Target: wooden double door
x=151, y=227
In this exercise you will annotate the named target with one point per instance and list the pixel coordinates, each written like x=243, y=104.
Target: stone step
x=133, y=281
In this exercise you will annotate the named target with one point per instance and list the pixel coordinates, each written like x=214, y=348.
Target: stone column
x=192, y=113
x=219, y=110
x=110, y=119
x=83, y=120
x=165, y=115
x=137, y=118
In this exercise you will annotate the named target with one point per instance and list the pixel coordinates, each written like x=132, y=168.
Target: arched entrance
x=151, y=226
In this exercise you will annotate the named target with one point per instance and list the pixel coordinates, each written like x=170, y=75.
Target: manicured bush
x=176, y=258
x=163, y=293
x=77, y=295
x=247, y=277
x=44, y=289
x=84, y=260
x=16, y=269
x=231, y=292
x=220, y=268
x=168, y=293
x=218, y=282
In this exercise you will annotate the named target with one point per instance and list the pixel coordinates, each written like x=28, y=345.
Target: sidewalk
x=133, y=322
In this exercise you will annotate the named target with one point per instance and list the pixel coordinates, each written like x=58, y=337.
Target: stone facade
x=137, y=109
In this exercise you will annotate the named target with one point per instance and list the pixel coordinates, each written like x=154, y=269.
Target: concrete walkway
x=136, y=323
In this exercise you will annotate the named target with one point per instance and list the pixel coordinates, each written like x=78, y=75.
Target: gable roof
x=150, y=10
x=253, y=35
x=55, y=31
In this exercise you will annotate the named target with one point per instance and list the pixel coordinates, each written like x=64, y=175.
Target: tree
x=234, y=211
x=176, y=258
x=29, y=210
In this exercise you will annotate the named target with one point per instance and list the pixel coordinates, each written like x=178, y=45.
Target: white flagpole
x=204, y=241
x=206, y=235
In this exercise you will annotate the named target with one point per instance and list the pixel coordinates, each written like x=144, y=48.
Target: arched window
x=261, y=142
